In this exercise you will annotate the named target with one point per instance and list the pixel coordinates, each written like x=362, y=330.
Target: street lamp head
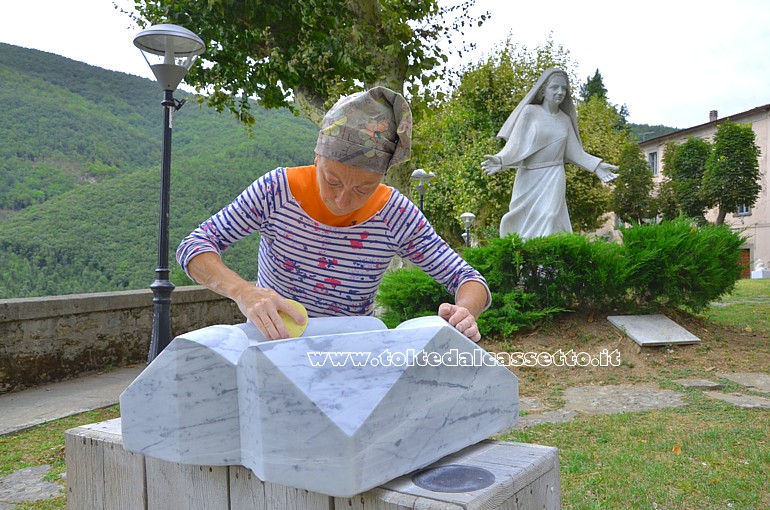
x=468, y=218
x=421, y=176
x=170, y=51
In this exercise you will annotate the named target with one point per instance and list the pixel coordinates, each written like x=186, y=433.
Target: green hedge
x=673, y=264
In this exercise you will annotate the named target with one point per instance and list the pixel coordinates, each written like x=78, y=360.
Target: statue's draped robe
x=538, y=146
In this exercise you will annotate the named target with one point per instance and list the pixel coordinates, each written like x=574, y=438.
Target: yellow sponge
x=295, y=329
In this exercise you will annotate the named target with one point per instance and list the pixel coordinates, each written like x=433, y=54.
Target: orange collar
x=304, y=187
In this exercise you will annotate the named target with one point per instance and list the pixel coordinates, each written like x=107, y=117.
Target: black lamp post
x=421, y=177
x=468, y=219
x=170, y=51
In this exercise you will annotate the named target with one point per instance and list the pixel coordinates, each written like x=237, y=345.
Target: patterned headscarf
x=370, y=130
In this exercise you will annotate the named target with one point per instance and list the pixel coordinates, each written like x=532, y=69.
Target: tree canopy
x=732, y=177
x=305, y=54
x=593, y=87
x=632, y=196
x=685, y=164
x=722, y=174
x=310, y=52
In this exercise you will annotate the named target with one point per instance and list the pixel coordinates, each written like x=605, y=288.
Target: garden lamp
x=468, y=219
x=170, y=51
x=421, y=177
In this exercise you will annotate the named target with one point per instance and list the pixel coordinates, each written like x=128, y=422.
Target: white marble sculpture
x=221, y=396
x=541, y=134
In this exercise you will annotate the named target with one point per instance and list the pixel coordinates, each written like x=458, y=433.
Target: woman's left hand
x=462, y=319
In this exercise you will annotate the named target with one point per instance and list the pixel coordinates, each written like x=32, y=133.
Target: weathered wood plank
x=247, y=492
x=124, y=484
x=172, y=486
x=383, y=499
x=100, y=473
x=85, y=471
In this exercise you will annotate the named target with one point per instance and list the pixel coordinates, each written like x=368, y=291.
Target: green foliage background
x=79, y=174
x=80, y=156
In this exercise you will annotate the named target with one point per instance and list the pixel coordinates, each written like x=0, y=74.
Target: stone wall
x=50, y=339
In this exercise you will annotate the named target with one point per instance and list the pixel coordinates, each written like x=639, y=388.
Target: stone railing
x=50, y=339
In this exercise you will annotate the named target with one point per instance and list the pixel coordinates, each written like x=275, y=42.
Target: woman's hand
x=462, y=320
x=492, y=164
x=605, y=172
x=261, y=306
x=258, y=304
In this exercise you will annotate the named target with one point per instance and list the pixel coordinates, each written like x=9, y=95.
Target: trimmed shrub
x=500, y=262
x=513, y=311
x=674, y=264
x=679, y=264
x=571, y=271
x=408, y=293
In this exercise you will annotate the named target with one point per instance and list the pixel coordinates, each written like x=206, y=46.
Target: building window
x=653, y=159
x=743, y=210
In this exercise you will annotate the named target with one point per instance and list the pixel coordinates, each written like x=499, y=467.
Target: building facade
x=753, y=222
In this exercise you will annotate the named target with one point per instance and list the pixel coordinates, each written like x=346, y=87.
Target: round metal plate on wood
x=453, y=478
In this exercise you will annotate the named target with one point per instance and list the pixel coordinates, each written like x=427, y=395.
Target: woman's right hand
x=492, y=164
x=261, y=307
x=257, y=304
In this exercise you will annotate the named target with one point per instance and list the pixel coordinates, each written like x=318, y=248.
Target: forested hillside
x=79, y=173
x=646, y=132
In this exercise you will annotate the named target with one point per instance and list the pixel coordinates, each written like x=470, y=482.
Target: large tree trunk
x=721, y=216
x=311, y=104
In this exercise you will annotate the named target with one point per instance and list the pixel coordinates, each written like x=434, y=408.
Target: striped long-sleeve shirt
x=331, y=270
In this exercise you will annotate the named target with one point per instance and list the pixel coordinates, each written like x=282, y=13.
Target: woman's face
x=344, y=188
x=556, y=89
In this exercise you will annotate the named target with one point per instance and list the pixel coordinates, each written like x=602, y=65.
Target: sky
x=669, y=61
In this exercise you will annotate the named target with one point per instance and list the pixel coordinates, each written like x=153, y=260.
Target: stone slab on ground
x=622, y=398
x=699, y=384
x=27, y=485
x=740, y=400
x=531, y=404
x=557, y=416
x=754, y=380
x=652, y=330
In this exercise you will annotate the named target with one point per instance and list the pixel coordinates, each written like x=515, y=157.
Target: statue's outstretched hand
x=492, y=164
x=605, y=172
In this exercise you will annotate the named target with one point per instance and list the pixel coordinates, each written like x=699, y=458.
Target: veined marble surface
x=344, y=408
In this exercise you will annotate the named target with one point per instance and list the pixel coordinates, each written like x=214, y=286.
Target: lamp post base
x=161, y=317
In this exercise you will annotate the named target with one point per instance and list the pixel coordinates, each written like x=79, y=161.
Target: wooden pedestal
x=101, y=475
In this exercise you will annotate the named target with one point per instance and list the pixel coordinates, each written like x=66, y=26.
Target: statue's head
x=549, y=75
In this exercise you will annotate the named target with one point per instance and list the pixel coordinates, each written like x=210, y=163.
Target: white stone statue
x=541, y=134
x=759, y=265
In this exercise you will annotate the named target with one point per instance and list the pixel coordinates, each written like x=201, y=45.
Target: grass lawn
x=747, y=307
x=705, y=455
x=44, y=444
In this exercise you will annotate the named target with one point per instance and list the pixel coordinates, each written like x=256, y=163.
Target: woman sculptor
x=328, y=231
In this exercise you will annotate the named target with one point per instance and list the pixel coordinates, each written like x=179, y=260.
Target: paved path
x=624, y=398
x=25, y=409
